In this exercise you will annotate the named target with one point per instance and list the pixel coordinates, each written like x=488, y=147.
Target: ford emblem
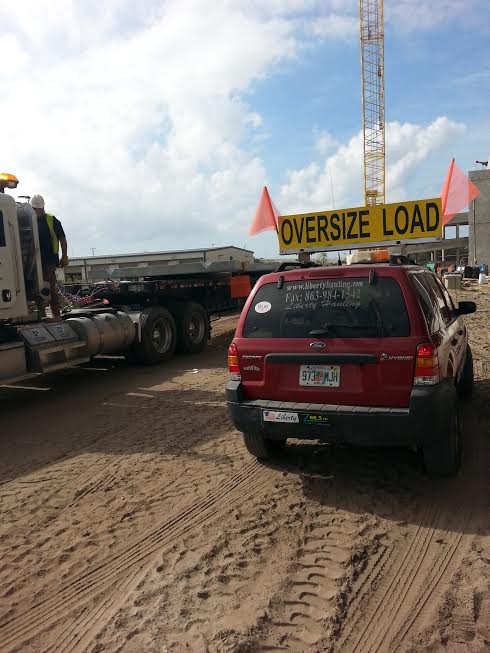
x=317, y=345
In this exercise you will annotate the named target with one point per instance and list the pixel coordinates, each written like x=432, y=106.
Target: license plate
x=280, y=417
x=311, y=375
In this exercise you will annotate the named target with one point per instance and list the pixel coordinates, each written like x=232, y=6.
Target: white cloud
x=408, y=146
x=132, y=121
x=254, y=119
x=324, y=141
x=136, y=122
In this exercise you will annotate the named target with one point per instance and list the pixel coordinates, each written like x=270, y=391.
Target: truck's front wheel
x=193, y=323
x=158, y=337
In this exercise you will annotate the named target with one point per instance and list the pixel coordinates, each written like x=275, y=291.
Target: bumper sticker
x=311, y=418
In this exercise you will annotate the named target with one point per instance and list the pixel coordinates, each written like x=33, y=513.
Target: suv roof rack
x=296, y=264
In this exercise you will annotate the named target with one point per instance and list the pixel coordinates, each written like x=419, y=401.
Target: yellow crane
x=373, y=99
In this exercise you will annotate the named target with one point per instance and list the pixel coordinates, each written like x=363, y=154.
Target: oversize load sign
x=366, y=226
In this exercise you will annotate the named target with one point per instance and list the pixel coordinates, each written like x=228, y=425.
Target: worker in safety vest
x=51, y=236
x=7, y=181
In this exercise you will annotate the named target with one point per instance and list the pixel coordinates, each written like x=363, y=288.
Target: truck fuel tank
x=104, y=333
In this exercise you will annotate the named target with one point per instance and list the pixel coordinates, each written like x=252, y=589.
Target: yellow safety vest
x=54, y=237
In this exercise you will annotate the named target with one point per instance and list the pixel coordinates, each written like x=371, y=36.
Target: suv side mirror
x=465, y=308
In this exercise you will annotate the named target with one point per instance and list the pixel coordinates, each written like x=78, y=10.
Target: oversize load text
x=361, y=226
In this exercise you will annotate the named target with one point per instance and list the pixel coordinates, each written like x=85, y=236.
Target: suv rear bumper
x=424, y=421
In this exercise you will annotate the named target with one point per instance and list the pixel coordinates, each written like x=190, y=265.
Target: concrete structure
x=454, y=247
x=98, y=268
x=474, y=248
x=479, y=218
x=467, y=236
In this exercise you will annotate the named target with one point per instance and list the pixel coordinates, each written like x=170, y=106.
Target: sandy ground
x=133, y=520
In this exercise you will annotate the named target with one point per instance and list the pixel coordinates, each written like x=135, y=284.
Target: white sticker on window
x=263, y=307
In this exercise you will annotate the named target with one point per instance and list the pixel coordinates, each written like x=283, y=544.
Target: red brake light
x=425, y=351
x=426, y=365
x=233, y=365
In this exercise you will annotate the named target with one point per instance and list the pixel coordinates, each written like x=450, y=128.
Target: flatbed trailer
x=217, y=290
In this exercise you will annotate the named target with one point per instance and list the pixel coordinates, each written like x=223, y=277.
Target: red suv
x=373, y=354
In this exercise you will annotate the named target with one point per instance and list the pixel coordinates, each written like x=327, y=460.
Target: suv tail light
x=233, y=365
x=426, y=365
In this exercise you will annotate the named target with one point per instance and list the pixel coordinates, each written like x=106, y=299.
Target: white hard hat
x=37, y=202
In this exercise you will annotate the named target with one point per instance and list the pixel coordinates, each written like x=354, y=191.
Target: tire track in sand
x=86, y=489
x=335, y=542
x=82, y=631
x=87, y=585
x=390, y=599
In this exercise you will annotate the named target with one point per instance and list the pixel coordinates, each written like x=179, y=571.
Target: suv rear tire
x=443, y=458
x=261, y=447
x=465, y=385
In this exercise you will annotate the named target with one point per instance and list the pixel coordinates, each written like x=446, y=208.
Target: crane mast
x=373, y=99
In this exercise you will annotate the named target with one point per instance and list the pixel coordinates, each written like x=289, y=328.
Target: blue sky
x=428, y=73
x=155, y=126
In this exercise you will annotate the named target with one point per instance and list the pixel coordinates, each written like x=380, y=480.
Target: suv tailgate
x=341, y=341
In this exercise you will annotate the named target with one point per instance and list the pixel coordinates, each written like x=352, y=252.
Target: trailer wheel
x=158, y=337
x=193, y=325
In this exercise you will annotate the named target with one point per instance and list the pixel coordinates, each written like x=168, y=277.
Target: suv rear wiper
x=318, y=332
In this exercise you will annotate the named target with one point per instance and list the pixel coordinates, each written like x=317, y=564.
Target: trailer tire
x=158, y=337
x=193, y=328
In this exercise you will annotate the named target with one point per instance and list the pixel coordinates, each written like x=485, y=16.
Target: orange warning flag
x=266, y=215
x=457, y=192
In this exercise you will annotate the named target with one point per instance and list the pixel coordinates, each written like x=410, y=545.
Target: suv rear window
x=328, y=308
